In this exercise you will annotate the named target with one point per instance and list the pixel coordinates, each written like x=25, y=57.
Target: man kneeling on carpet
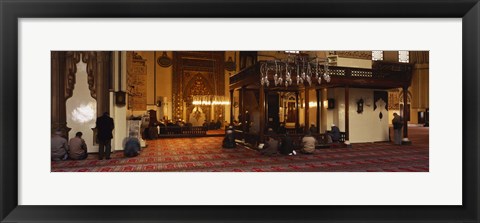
x=229, y=140
x=132, y=146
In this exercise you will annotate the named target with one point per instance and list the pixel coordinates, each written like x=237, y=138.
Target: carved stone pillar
x=99, y=66
x=58, y=112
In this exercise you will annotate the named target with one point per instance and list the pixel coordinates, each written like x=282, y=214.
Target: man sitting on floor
x=308, y=143
x=286, y=146
x=59, y=147
x=78, y=147
x=271, y=144
x=270, y=147
x=334, y=134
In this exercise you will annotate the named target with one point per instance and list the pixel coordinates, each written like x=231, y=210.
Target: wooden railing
x=322, y=139
x=387, y=71
x=182, y=130
x=342, y=136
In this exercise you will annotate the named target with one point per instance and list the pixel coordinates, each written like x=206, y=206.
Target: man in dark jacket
x=335, y=133
x=104, y=125
x=286, y=146
x=131, y=146
x=313, y=129
x=397, y=128
x=229, y=140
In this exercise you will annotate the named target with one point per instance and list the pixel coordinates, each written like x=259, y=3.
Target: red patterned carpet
x=206, y=154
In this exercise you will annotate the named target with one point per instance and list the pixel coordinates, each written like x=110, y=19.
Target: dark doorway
x=273, y=120
x=291, y=112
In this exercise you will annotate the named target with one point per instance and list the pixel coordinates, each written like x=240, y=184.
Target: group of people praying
x=76, y=148
x=283, y=143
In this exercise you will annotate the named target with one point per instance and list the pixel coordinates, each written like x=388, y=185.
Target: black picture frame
x=11, y=11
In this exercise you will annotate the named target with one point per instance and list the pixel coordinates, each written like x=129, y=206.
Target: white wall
x=366, y=126
x=119, y=113
x=363, y=127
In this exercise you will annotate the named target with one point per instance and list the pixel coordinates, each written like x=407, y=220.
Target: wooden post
x=347, y=105
x=242, y=109
x=307, y=108
x=265, y=113
x=262, y=112
x=319, y=106
x=231, y=106
x=405, y=123
x=297, y=118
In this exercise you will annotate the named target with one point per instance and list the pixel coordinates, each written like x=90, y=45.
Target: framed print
x=196, y=45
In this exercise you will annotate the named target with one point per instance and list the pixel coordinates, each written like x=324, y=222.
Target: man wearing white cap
x=59, y=146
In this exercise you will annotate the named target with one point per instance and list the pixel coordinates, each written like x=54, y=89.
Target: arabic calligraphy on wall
x=136, y=82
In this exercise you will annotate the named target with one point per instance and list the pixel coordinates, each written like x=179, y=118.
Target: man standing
x=104, y=125
x=397, y=128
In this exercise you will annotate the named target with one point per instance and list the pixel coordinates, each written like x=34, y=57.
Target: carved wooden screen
x=197, y=73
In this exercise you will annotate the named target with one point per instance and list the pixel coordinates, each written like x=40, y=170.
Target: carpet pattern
x=205, y=154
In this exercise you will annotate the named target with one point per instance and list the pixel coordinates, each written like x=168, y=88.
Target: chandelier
x=300, y=69
x=209, y=100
